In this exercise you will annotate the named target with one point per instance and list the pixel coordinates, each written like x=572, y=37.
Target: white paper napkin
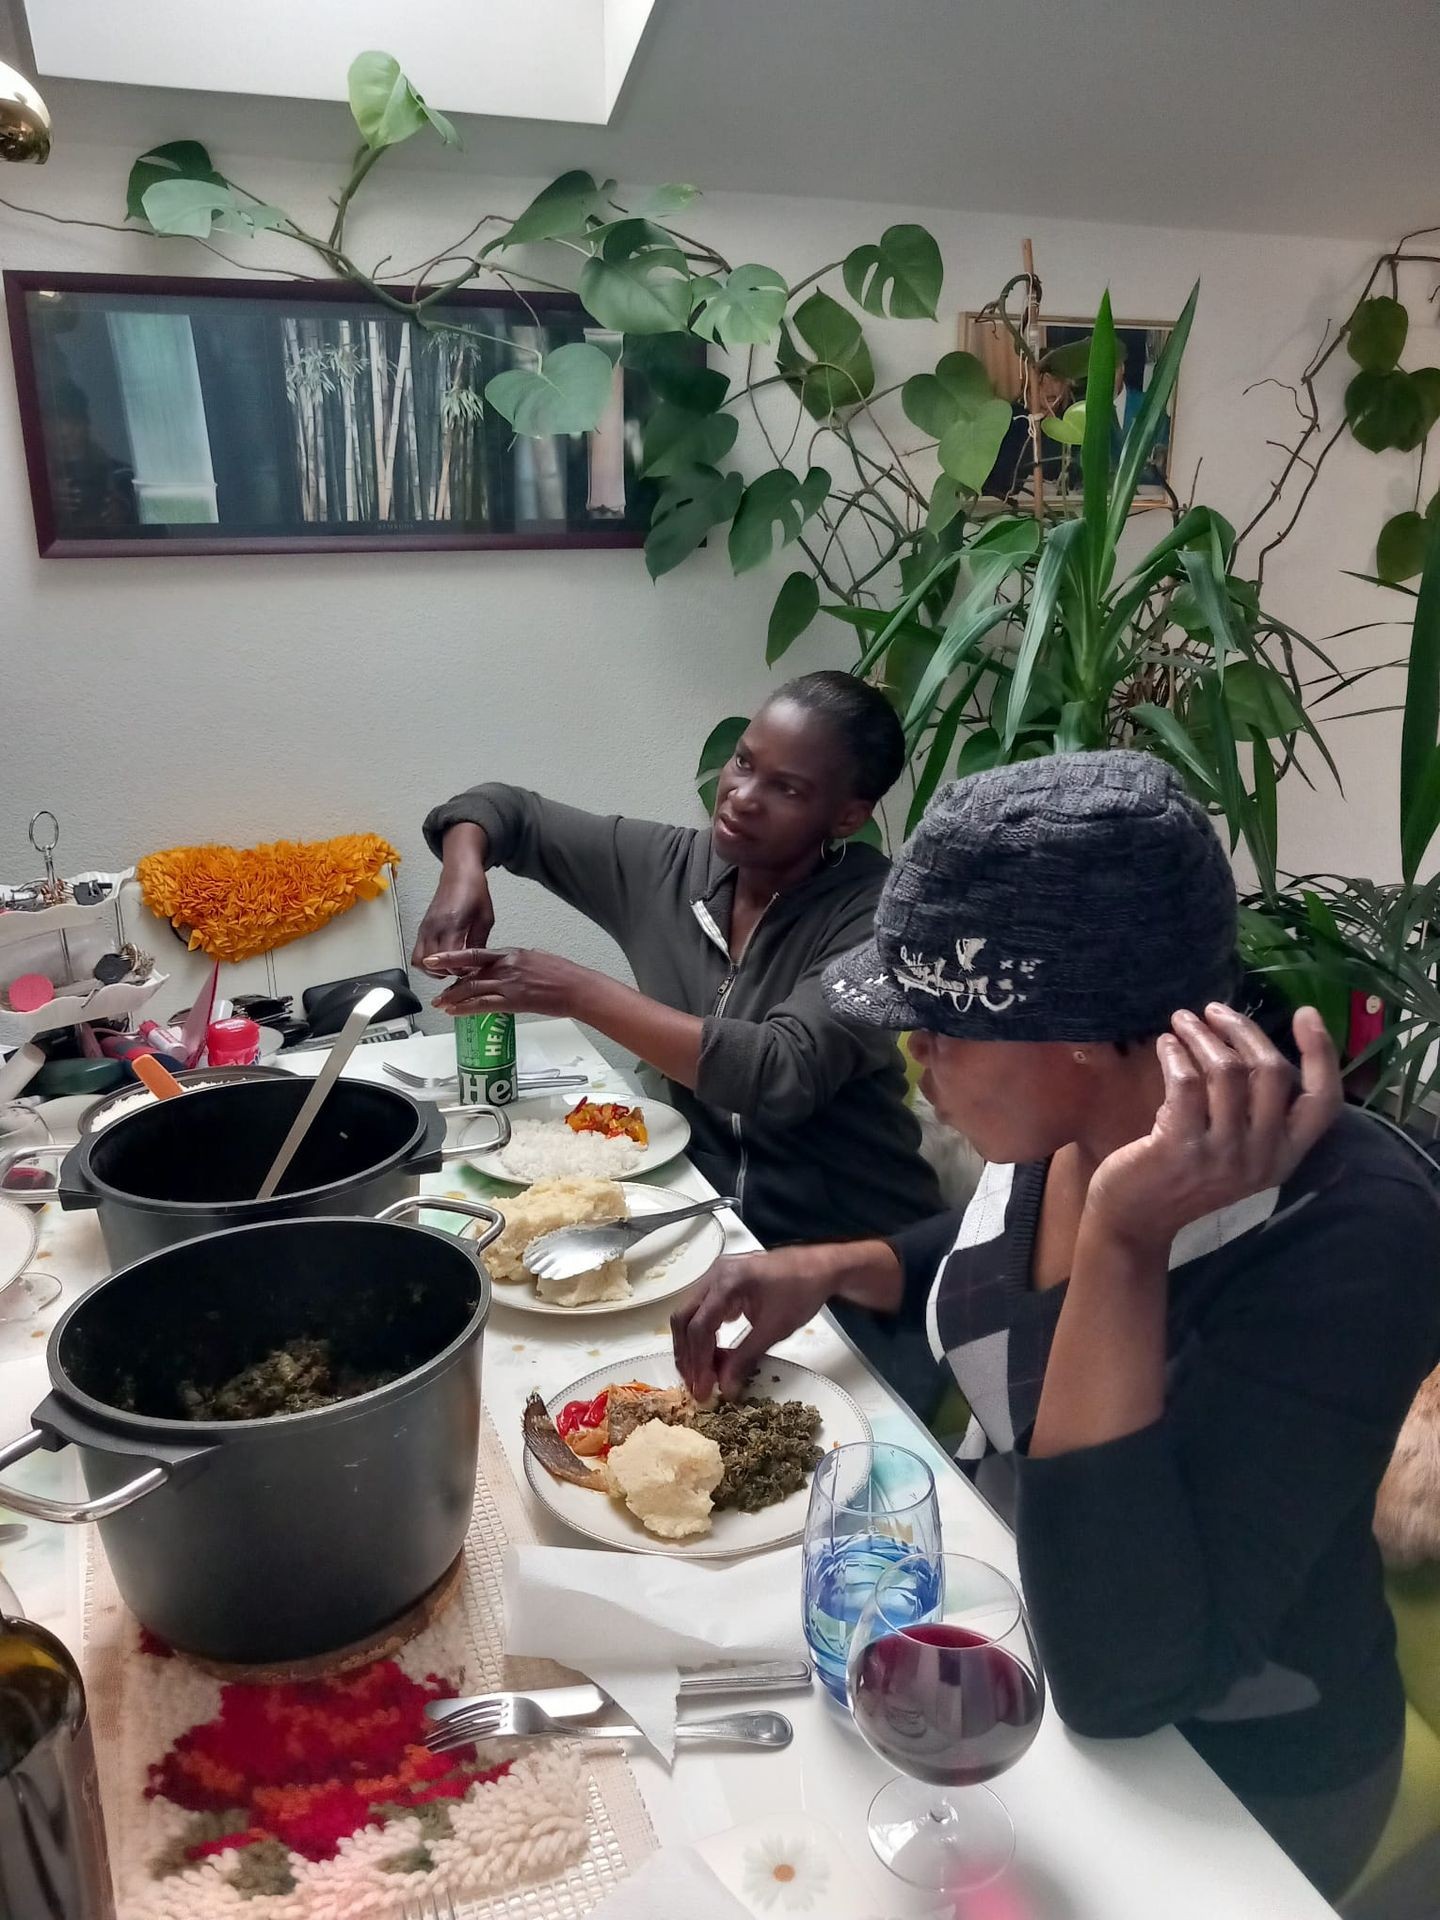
x=671, y=1883
x=631, y=1622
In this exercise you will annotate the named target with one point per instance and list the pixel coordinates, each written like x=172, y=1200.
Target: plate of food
x=657, y=1269
x=556, y=1137
x=628, y=1458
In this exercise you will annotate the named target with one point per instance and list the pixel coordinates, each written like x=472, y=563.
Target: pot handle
x=502, y=1133
x=438, y=1203
x=69, y=1511
x=14, y=1157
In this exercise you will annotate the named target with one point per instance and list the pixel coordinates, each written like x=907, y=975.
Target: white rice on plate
x=549, y=1150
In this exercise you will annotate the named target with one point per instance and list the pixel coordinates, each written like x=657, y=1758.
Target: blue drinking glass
x=872, y=1507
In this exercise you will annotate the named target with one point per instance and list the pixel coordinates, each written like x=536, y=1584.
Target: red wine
x=945, y=1705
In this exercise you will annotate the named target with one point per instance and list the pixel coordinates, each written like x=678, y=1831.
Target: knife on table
x=580, y=1701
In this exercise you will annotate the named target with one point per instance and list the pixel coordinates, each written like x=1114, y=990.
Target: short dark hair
x=866, y=722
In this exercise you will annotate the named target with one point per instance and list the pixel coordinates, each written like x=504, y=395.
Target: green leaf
x=1064, y=546
x=1422, y=717
x=1234, y=801
x=675, y=439
x=979, y=751
x=1101, y=530
x=567, y=393
x=968, y=450
x=1384, y=410
x=1068, y=362
x=1208, y=584
x=1432, y=512
x=1425, y=387
x=902, y=276
x=945, y=504
x=1069, y=429
x=386, y=108
x=1144, y=429
x=637, y=283
x=556, y=213
x=689, y=506
x=778, y=502
x=1377, y=333
x=1400, y=550
x=938, y=752
x=1422, y=817
x=1173, y=736
x=1003, y=547
x=194, y=207
x=796, y=605
x=664, y=201
x=1265, y=839
x=719, y=745
x=674, y=364
x=935, y=401
x=176, y=160
x=746, y=308
x=841, y=374
x=1260, y=701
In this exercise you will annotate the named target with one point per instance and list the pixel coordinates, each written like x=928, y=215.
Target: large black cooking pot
x=178, y=1168
x=274, y=1540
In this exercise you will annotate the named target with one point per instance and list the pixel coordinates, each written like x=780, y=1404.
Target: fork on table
x=514, y=1717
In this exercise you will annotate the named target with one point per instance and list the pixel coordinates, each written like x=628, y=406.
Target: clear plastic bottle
x=53, y=1859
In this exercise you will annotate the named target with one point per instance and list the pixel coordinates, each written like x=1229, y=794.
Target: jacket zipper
x=705, y=917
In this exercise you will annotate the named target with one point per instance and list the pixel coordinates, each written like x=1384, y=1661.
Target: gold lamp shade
x=24, y=119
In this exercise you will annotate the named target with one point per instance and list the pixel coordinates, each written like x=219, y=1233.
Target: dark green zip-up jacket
x=801, y=1116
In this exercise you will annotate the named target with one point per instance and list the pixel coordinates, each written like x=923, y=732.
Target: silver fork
x=542, y=1080
x=573, y=1250
x=513, y=1717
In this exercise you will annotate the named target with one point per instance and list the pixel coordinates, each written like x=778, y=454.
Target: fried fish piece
x=542, y=1438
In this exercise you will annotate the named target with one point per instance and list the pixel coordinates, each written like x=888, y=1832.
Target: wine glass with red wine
x=948, y=1689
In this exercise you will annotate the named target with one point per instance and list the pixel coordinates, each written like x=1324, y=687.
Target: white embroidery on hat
x=996, y=994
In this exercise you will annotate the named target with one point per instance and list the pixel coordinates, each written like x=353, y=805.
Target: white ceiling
x=1288, y=116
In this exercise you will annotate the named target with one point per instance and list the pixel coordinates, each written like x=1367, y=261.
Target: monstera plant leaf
x=841, y=373
x=934, y=401
x=566, y=393
x=796, y=605
x=195, y=207
x=176, y=160
x=386, y=108
x=1376, y=337
x=690, y=505
x=675, y=439
x=776, y=505
x=902, y=276
x=638, y=282
x=745, y=309
x=558, y=211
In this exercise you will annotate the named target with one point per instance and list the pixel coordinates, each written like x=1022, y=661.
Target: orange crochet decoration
x=234, y=903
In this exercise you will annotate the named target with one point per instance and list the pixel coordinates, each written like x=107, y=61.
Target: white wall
x=374, y=684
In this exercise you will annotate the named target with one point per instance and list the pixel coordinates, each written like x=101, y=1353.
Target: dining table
x=1132, y=1829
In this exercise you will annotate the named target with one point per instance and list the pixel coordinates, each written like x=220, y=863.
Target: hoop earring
x=1080, y=1056
x=832, y=852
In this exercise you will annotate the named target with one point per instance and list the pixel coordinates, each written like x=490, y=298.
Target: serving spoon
x=569, y=1251
x=346, y=1041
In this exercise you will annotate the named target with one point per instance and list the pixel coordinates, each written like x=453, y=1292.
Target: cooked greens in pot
x=299, y=1377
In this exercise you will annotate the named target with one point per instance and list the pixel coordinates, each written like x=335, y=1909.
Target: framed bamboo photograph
x=206, y=416
x=1139, y=343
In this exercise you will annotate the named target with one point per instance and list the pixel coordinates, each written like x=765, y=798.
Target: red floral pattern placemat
x=317, y=1799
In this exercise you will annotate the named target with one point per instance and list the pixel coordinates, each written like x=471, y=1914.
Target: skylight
x=519, y=59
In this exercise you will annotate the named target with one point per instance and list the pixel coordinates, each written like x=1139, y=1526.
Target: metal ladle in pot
x=346, y=1041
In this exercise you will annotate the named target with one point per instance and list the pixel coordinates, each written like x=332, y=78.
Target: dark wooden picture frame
x=202, y=416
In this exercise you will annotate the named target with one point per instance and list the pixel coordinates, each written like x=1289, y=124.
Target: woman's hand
x=1232, y=1124
x=462, y=913
x=776, y=1292
x=509, y=980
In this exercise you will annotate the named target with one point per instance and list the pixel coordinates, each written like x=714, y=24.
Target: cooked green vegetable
x=768, y=1449
x=296, y=1378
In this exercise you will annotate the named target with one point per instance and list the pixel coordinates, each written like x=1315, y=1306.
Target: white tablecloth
x=1117, y=1830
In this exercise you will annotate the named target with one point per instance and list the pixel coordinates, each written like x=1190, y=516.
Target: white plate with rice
x=731, y=1533
x=542, y=1147
x=657, y=1269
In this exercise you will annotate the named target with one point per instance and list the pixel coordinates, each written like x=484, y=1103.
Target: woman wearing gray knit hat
x=1190, y=1301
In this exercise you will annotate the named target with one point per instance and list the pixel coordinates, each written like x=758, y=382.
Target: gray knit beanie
x=1080, y=897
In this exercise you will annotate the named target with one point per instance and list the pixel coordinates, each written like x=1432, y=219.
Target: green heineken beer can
x=485, y=1055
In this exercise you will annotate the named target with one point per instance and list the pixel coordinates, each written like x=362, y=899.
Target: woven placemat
x=577, y=1806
